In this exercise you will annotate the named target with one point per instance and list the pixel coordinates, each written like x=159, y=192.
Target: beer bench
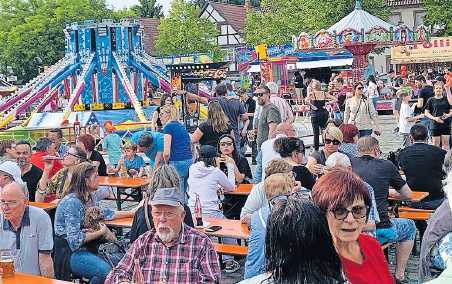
x=228, y=249
x=414, y=214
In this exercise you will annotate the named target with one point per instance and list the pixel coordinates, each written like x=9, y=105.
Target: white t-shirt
x=404, y=124
x=372, y=90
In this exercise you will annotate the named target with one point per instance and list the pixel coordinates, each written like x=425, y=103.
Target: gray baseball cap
x=167, y=196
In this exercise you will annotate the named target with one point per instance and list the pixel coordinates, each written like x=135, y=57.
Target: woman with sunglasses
x=176, y=144
x=74, y=250
x=298, y=245
x=344, y=199
x=232, y=164
x=332, y=137
x=291, y=150
x=53, y=189
x=360, y=111
x=319, y=115
x=216, y=125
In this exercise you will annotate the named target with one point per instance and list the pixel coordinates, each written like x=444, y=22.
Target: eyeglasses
x=259, y=94
x=74, y=155
x=358, y=212
x=225, y=144
x=360, y=88
x=168, y=215
x=329, y=141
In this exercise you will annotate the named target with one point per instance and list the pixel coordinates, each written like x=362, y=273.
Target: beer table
x=22, y=278
x=241, y=190
x=121, y=184
x=43, y=205
x=229, y=228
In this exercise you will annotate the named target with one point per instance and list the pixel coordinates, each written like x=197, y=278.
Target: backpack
x=112, y=252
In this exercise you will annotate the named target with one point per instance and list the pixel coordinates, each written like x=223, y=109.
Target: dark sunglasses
x=335, y=142
x=358, y=212
x=360, y=88
x=259, y=94
x=223, y=144
x=77, y=156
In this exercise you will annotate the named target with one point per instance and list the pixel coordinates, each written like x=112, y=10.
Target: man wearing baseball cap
x=9, y=172
x=161, y=251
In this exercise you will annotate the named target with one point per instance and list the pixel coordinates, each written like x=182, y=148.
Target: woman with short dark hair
x=351, y=135
x=88, y=144
x=298, y=245
x=344, y=199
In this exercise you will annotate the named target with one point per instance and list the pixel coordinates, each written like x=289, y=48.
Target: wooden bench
x=228, y=249
x=414, y=214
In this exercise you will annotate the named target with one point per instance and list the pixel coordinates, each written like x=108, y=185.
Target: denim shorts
x=401, y=230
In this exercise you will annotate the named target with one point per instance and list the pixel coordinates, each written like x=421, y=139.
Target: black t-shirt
x=139, y=226
x=438, y=107
x=211, y=137
x=422, y=165
x=426, y=93
x=303, y=175
x=32, y=178
x=96, y=156
x=299, y=82
x=380, y=174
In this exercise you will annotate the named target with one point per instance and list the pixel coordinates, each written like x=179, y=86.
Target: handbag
x=113, y=252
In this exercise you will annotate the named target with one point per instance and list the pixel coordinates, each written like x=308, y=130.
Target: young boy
x=133, y=163
x=406, y=118
x=112, y=144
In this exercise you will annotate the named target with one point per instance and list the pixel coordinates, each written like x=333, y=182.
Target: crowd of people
x=321, y=217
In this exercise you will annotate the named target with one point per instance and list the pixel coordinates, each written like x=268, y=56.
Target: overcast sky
x=127, y=3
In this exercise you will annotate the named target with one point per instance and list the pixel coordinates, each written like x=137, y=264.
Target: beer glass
x=7, y=263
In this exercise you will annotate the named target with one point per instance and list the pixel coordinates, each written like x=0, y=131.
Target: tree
x=278, y=20
x=201, y=3
x=34, y=29
x=149, y=9
x=439, y=14
x=184, y=32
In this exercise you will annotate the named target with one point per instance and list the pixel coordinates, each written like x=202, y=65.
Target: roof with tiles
x=150, y=34
x=235, y=15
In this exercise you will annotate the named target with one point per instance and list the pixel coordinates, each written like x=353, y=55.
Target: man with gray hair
x=386, y=181
x=157, y=255
x=26, y=231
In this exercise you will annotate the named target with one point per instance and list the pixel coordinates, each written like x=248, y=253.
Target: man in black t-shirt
x=381, y=175
x=425, y=93
x=30, y=173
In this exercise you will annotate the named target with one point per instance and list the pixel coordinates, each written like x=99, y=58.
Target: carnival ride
x=104, y=67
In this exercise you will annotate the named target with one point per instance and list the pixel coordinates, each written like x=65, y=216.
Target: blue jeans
x=258, y=170
x=427, y=123
x=182, y=170
x=365, y=132
x=402, y=230
x=88, y=265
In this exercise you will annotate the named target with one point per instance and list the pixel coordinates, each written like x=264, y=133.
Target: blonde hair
x=277, y=166
x=172, y=111
x=402, y=93
x=316, y=85
x=165, y=176
x=278, y=184
x=334, y=132
x=216, y=118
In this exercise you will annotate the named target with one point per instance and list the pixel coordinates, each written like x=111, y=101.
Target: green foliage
x=278, y=20
x=184, y=32
x=149, y=9
x=201, y=3
x=34, y=28
x=439, y=13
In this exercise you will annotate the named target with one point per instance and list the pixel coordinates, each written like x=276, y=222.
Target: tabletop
x=122, y=182
x=43, y=205
x=229, y=228
x=415, y=196
x=120, y=223
x=242, y=189
x=21, y=278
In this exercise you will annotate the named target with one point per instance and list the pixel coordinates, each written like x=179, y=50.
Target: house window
x=419, y=18
x=395, y=18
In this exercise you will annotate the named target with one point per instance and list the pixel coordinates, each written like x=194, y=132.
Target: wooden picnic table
x=121, y=183
x=242, y=189
x=21, y=278
x=47, y=206
x=416, y=196
x=229, y=228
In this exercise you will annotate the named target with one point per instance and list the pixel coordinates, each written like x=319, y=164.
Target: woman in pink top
x=344, y=198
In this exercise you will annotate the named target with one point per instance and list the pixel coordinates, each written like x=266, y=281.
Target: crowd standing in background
x=319, y=213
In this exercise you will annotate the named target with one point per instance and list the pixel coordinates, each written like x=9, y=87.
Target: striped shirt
x=191, y=260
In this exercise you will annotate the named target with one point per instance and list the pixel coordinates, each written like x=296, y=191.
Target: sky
x=119, y=4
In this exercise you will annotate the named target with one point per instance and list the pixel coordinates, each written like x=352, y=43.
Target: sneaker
x=231, y=266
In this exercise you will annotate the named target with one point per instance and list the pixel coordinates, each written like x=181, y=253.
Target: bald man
x=267, y=153
x=26, y=231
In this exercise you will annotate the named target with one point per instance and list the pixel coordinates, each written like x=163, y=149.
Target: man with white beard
x=171, y=252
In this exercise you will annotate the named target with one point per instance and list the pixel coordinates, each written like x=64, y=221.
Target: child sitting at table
x=130, y=163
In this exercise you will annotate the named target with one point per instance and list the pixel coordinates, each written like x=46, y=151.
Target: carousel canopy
x=359, y=19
